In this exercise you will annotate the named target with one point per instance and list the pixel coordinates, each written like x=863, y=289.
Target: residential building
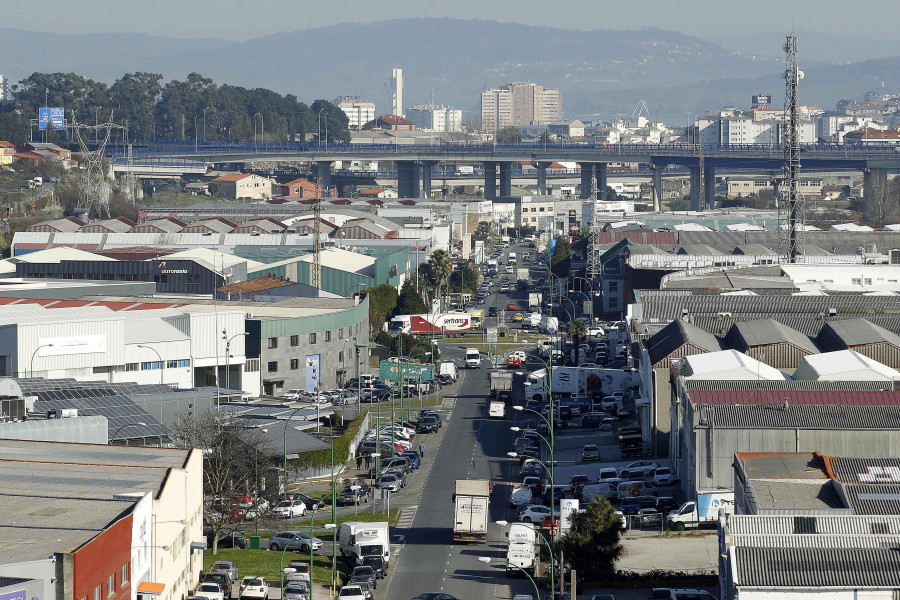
x=4, y=93
x=242, y=186
x=570, y=128
x=304, y=188
x=873, y=137
x=435, y=117
x=7, y=152
x=394, y=123
x=358, y=111
x=519, y=104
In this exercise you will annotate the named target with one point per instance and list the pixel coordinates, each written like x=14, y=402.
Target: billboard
x=390, y=371
x=54, y=118
x=313, y=372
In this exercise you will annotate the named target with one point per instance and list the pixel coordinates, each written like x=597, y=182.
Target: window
x=868, y=281
x=151, y=366
x=97, y=593
x=131, y=366
x=856, y=281
x=111, y=585
x=163, y=279
x=193, y=280
x=614, y=303
x=295, y=364
x=341, y=356
x=272, y=366
x=312, y=338
x=614, y=286
x=295, y=340
x=327, y=336
x=341, y=333
x=123, y=574
x=176, y=364
x=251, y=366
x=273, y=343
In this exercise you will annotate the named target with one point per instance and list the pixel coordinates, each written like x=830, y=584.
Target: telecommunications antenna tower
x=315, y=278
x=94, y=190
x=594, y=267
x=790, y=208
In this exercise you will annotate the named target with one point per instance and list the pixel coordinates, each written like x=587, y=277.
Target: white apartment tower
x=398, y=92
x=519, y=104
x=435, y=117
x=358, y=111
x=2, y=88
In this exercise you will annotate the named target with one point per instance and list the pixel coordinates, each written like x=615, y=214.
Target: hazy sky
x=246, y=19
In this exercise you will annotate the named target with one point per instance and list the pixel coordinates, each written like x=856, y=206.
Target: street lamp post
x=284, y=448
x=162, y=365
x=33, y=354
x=488, y=560
x=204, y=122
x=228, y=353
x=116, y=432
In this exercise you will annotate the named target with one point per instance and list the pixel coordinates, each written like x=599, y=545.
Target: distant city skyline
x=244, y=19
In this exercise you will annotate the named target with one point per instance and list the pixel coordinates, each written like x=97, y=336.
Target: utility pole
x=315, y=277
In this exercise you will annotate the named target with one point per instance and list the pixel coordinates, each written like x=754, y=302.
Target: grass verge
x=266, y=563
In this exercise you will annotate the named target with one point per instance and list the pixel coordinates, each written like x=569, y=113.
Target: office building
x=435, y=117
x=519, y=104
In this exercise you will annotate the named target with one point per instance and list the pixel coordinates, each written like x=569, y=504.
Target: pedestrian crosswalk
x=449, y=402
x=406, y=517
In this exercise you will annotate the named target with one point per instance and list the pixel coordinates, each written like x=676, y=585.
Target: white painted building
x=431, y=117
x=358, y=111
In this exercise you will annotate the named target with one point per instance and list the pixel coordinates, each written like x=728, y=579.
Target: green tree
x=591, y=546
x=561, y=258
x=482, y=231
x=509, y=135
x=410, y=301
x=382, y=301
x=134, y=96
x=577, y=331
x=437, y=269
x=464, y=279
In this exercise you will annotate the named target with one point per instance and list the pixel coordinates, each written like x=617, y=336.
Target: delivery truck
x=704, y=511
x=501, y=385
x=357, y=540
x=441, y=324
x=535, y=299
x=585, y=380
x=520, y=549
x=497, y=409
x=470, y=510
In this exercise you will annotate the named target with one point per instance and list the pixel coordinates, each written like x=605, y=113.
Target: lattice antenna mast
x=94, y=190
x=791, y=206
x=593, y=264
x=315, y=278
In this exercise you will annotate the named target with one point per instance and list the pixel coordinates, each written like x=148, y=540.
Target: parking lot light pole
x=287, y=422
x=33, y=354
x=488, y=560
x=162, y=365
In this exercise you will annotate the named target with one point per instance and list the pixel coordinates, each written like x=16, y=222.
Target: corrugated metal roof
x=795, y=397
x=803, y=417
x=816, y=541
x=855, y=332
x=865, y=470
x=817, y=568
x=675, y=335
x=765, y=332
x=785, y=384
x=872, y=499
x=813, y=524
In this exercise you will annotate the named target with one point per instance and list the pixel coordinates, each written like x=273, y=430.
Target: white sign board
x=79, y=344
x=567, y=506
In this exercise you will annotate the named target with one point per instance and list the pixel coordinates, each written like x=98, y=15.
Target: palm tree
x=438, y=269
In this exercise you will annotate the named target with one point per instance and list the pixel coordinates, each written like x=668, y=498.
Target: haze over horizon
x=241, y=20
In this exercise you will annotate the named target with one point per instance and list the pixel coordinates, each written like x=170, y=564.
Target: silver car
x=295, y=540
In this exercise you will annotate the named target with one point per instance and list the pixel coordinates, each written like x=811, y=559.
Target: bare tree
x=234, y=451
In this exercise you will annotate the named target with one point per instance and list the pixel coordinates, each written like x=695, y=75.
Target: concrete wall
x=79, y=430
x=43, y=572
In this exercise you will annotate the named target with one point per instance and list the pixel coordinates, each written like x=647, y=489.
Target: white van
x=497, y=409
x=473, y=358
x=520, y=496
x=449, y=368
x=607, y=490
x=358, y=539
x=636, y=488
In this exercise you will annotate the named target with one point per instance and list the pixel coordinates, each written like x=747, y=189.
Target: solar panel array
x=100, y=398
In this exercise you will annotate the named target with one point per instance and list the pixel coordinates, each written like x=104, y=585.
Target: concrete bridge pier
x=490, y=180
x=323, y=174
x=709, y=187
x=408, y=176
x=600, y=171
x=587, y=175
x=874, y=184
x=505, y=179
x=695, y=188
x=657, y=170
x=427, y=165
x=541, y=176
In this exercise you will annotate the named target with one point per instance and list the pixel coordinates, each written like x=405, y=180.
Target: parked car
x=296, y=590
x=210, y=591
x=640, y=464
x=665, y=504
x=661, y=476
x=227, y=539
x=534, y=514
x=364, y=573
x=367, y=589
x=289, y=509
x=377, y=564
x=301, y=571
x=428, y=424
x=577, y=482
x=414, y=459
x=310, y=502
x=295, y=540
x=219, y=579
x=225, y=567
x=352, y=592
x=254, y=587
x=389, y=481
x=591, y=452
x=630, y=505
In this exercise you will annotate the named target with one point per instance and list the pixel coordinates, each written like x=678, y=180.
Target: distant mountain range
x=601, y=73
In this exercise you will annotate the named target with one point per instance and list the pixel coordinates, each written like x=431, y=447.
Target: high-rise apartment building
x=2, y=88
x=358, y=111
x=435, y=118
x=397, y=99
x=519, y=104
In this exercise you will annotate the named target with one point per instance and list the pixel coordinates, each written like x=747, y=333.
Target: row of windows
x=295, y=339
x=164, y=279
x=110, y=584
x=272, y=366
x=156, y=365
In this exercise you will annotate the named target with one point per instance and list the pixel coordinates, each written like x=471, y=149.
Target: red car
x=512, y=306
x=513, y=361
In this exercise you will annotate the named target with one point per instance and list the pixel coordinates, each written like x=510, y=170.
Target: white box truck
x=357, y=539
x=520, y=553
x=704, y=511
x=449, y=369
x=470, y=510
x=497, y=409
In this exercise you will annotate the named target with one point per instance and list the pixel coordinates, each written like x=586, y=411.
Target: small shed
x=771, y=342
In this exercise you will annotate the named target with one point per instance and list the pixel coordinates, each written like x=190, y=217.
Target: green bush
x=322, y=458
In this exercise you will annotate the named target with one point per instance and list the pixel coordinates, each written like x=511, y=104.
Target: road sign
x=53, y=118
x=495, y=346
x=492, y=334
x=551, y=329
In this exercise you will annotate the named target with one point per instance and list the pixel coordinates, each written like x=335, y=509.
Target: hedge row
x=322, y=458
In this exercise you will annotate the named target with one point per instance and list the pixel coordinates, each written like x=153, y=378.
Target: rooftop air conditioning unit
x=895, y=256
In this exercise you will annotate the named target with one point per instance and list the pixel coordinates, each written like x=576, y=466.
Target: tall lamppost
x=204, y=122
x=284, y=448
x=33, y=354
x=228, y=353
x=116, y=432
x=162, y=365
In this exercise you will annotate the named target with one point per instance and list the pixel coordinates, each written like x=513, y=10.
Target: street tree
x=382, y=302
x=509, y=135
x=561, y=257
x=410, y=301
x=437, y=269
x=482, y=231
x=577, y=332
x=234, y=454
x=591, y=546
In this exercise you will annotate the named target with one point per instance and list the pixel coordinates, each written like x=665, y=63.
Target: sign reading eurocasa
x=165, y=270
x=390, y=371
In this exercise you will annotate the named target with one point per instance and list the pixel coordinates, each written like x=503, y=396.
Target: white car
x=520, y=496
x=295, y=395
x=212, y=591
x=352, y=592
x=254, y=587
x=534, y=514
x=290, y=508
x=662, y=476
x=640, y=464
